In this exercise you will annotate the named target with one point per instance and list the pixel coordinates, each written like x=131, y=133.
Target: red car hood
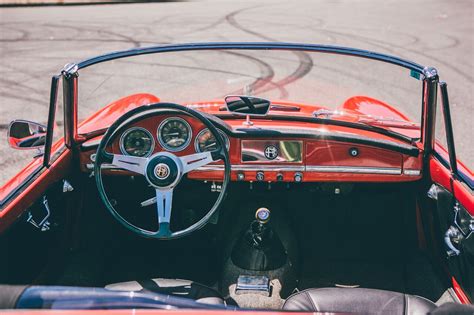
x=353, y=108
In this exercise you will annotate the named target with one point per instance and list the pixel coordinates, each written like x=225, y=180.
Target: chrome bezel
x=126, y=132
x=181, y=147
x=196, y=140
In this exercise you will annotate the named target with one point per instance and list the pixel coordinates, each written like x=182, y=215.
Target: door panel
x=455, y=225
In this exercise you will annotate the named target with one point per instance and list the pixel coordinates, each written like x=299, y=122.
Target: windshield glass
x=367, y=91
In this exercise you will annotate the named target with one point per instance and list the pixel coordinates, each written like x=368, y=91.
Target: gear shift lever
x=259, y=230
x=259, y=247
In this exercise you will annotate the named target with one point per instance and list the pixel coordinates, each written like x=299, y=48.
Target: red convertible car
x=243, y=177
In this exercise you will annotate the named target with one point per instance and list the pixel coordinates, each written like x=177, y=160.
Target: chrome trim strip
x=239, y=167
x=411, y=172
x=295, y=168
x=354, y=169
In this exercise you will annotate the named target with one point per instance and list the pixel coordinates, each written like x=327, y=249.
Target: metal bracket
x=42, y=224
x=433, y=192
x=70, y=69
x=452, y=234
x=67, y=187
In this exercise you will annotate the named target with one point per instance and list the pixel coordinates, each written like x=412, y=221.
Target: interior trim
x=354, y=169
x=296, y=168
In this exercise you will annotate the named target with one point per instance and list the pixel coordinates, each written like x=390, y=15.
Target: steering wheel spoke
x=194, y=161
x=130, y=163
x=164, y=201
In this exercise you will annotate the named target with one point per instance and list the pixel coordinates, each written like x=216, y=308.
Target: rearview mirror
x=247, y=105
x=24, y=135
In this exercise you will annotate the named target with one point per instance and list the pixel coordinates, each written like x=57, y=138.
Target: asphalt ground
x=35, y=42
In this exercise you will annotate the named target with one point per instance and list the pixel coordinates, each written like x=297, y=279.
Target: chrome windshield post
x=430, y=96
x=70, y=81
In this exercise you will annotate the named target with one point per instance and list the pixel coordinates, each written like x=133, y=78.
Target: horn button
x=162, y=171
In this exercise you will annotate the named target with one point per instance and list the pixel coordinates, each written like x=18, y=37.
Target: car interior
x=361, y=244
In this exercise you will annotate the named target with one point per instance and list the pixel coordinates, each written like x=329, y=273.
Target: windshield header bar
x=252, y=46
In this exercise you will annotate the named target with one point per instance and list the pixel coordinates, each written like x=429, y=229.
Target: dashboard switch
x=279, y=177
x=240, y=176
x=260, y=176
x=298, y=177
x=353, y=152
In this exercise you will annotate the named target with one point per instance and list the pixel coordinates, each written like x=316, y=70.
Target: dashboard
x=267, y=151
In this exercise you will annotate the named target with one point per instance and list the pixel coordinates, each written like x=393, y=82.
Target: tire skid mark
x=305, y=61
x=387, y=46
x=36, y=101
x=266, y=77
x=12, y=83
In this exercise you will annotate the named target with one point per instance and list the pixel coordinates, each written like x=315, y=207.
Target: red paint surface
x=459, y=292
x=110, y=113
x=364, y=105
x=359, y=105
x=152, y=312
x=442, y=176
x=330, y=153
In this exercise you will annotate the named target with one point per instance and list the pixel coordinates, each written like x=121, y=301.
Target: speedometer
x=205, y=141
x=137, y=142
x=174, y=134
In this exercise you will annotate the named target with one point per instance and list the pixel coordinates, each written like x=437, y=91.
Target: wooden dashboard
x=272, y=151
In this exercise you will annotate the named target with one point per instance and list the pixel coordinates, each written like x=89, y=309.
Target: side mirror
x=247, y=105
x=24, y=135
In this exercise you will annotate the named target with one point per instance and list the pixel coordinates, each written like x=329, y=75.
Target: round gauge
x=137, y=142
x=205, y=141
x=174, y=134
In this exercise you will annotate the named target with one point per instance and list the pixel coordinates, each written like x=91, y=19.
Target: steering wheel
x=163, y=170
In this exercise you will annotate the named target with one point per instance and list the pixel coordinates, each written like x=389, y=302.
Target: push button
x=298, y=177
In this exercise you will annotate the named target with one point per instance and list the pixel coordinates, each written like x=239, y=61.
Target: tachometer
x=137, y=142
x=174, y=134
x=205, y=141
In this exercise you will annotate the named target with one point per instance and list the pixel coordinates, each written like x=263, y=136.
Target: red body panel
x=442, y=176
x=107, y=115
x=330, y=153
x=153, y=312
x=359, y=105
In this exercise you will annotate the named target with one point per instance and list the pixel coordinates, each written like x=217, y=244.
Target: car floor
x=366, y=238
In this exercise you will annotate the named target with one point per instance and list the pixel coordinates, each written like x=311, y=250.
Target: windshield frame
x=428, y=76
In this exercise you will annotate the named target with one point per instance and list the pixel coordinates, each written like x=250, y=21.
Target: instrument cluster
x=174, y=134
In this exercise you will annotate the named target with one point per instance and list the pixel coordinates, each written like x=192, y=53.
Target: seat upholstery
x=357, y=300
x=176, y=287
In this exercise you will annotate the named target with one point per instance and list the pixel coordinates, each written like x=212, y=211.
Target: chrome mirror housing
x=24, y=135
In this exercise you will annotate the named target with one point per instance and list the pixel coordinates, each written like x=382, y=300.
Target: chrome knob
x=262, y=215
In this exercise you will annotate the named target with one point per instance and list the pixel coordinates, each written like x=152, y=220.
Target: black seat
x=176, y=287
x=357, y=300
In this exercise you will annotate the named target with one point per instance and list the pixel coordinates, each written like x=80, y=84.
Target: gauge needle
x=210, y=145
x=173, y=134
